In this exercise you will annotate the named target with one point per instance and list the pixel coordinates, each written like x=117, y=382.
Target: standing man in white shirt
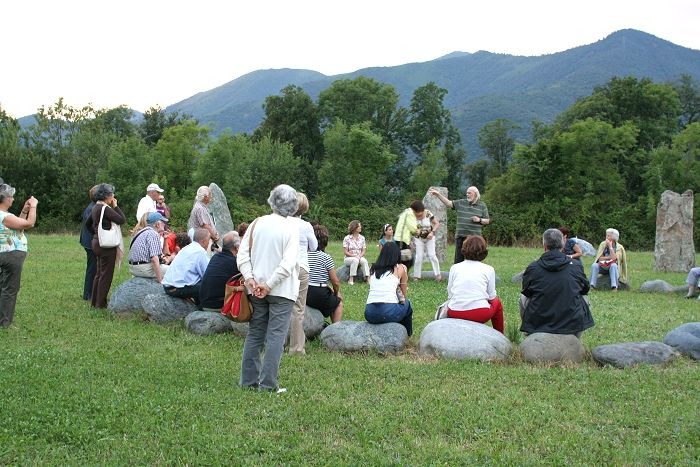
x=148, y=202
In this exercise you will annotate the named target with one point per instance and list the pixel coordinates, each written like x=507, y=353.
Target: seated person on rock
x=610, y=259
x=354, y=247
x=571, y=248
x=145, y=250
x=173, y=243
x=183, y=277
x=471, y=288
x=692, y=281
x=554, y=297
x=222, y=266
x=387, y=235
x=387, y=277
x=321, y=276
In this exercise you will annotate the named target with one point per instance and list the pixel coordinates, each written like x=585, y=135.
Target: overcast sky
x=155, y=52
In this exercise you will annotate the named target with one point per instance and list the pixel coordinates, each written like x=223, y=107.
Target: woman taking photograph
x=106, y=257
x=387, y=277
x=471, y=288
x=13, y=249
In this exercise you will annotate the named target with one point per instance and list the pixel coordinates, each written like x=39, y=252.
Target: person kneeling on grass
x=471, y=288
x=388, y=283
x=554, y=297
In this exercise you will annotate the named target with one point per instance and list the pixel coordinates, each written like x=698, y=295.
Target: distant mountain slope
x=481, y=87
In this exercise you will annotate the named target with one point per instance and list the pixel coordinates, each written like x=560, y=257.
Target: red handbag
x=237, y=307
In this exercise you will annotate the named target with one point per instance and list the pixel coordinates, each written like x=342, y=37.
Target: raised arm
x=441, y=197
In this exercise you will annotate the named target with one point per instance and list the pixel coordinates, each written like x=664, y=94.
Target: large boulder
x=239, y=329
x=355, y=336
x=219, y=210
x=343, y=273
x=313, y=322
x=603, y=283
x=674, y=249
x=685, y=339
x=163, y=308
x=658, y=285
x=634, y=353
x=206, y=323
x=127, y=298
x=517, y=277
x=439, y=210
x=542, y=347
x=462, y=339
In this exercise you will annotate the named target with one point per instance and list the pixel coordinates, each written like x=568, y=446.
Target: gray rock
x=685, y=339
x=586, y=248
x=462, y=339
x=356, y=336
x=604, y=283
x=517, y=277
x=313, y=322
x=163, y=308
x=239, y=329
x=634, y=353
x=431, y=275
x=206, y=323
x=219, y=210
x=542, y=347
x=674, y=249
x=660, y=286
x=127, y=298
x=343, y=273
x=439, y=210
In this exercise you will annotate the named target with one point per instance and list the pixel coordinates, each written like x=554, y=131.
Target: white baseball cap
x=154, y=187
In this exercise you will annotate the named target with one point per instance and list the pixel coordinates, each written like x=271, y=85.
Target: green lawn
x=78, y=386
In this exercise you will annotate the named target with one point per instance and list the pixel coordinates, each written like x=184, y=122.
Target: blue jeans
x=379, y=313
x=267, y=332
x=614, y=274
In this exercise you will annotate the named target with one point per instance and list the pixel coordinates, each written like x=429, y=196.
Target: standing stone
x=219, y=210
x=434, y=205
x=674, y=250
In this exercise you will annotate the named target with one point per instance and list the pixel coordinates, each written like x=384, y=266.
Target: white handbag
x=111, y=238
x=441, y=311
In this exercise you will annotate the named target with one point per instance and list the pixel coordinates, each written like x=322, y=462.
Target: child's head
x=387, y=231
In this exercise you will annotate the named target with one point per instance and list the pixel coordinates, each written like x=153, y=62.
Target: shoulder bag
x=111, y=238
x=406, y=253
x=237, y=306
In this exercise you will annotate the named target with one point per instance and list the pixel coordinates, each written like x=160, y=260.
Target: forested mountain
x=482, y=86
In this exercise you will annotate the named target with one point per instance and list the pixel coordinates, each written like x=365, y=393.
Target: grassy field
x=78, y=386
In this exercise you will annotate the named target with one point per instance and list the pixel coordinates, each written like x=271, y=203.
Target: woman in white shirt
x=268, y=263
x=471, y=289
x=386, y=276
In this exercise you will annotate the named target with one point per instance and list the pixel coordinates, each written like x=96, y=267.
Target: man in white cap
x=148, y=202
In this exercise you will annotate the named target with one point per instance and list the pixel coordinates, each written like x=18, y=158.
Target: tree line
x=358, y=155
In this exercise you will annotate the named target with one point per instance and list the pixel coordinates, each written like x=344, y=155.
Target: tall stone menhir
x=434, y=205
x=674, y=250
x=219, y=210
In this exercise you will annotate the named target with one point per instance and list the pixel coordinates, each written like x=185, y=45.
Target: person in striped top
x=472, y=215
x=321, y=275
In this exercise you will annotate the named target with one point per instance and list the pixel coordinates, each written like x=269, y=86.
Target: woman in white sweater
x=267, y=259
x=471, y=289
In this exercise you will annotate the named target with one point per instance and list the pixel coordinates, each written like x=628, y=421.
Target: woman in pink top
x=354, y=247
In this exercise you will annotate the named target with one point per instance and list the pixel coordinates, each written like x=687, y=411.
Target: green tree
x=271, y=163
x=177, y=152
x=431, y=171
x=689, y=95
x=454, y=160
x=653, y=108
x=354, y=171
x=429, y=120
x=156, y=121
x=676, y=167
x=293, y=118
x=498, y=144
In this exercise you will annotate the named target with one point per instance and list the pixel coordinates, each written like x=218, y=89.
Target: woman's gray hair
x=283, y=200
x=202, y=192
x=103, y=191
x=476, y=192
x=553, y=239
x=615, y=234
x=5, y=191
